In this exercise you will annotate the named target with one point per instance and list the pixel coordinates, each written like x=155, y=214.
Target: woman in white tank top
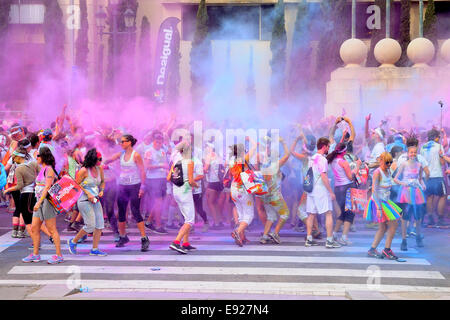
x=131, y=189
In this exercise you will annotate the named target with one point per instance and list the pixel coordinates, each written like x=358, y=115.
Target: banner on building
x=356, y=200
x=168, y=43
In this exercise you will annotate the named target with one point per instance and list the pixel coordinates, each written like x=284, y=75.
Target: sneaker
x=82, y=239
x=245, y=240
x=441, y=223
x=72, y=227
x=97, y=253
x=317, y=234
x=265, y=240
x=31, y=258
x=160, y=230
x=404, y=245
x=332, y=244
x=189, y=248
x=419, y=242
x=144, y=244
x=51, y=240
x=237, y=238
x=149, y=225
x=21, y=234
x=343, y=242
x=122, y=241
x=116, y=237
x=205, y=227
x=352, y=228
x=275, y=237
x=431, y=222
x=310, y=243
x=171, y=226
x=373, y=253
x=72, y=246
x=413, y=232
x=14, y=233
x=177, y=247
x=389, y=254
x=55, y=260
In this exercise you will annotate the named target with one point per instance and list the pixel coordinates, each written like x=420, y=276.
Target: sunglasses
x=99, y=159
x=38, y=156
x=388, y=163
x=123, y=141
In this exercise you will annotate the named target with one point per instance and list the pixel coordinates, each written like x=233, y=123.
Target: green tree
x=405, y=37
x=429, y=24
x=145, y=70
x=278, y=48
x=81, y=57
x=300, y=57
x=54, y=35
x=201, y=52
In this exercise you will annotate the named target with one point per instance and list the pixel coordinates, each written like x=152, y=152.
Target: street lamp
x=101, y=18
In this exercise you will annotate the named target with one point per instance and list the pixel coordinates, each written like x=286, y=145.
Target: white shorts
x=183, y=197
x=318, y=202
x=244, y=204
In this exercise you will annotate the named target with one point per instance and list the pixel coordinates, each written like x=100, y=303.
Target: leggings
x=129, y=193
x=26, y=204
x=16, y=197
x=108, y=201
x=198, y=203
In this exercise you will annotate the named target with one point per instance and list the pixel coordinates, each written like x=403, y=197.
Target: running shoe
x=31, y=258
x=160, y=230
x=388, y=254
x=237, y=238
x=116, y=237
x=72, y=246
x=55, y=260
x=82, y=239
x=177, y=247
x=149, y=225
x=316, y=234
x=332, y=245
x=431, y=222
x=373, y=253
x=404, y=245
x=51, y=240
x=441, y=223
x=14, y=233
x=265, y=240
x=413, y=232
x=275, y=237
x=245, y=240
x=353, y=228
x=419, y=241
x=343, y=242
x=145, y=242
x=189, y=248
x=171, y=226
x=21, y=234
x=97, y=253
x=310, y=243
x=205, y=227
x=122, y=241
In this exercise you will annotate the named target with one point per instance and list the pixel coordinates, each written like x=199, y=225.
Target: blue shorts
x=435, y=187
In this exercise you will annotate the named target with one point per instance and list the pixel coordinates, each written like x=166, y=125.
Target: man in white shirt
x=433, y=152
x=320, y=200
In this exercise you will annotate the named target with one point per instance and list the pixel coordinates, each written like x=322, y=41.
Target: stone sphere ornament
x=445, y=51
x=387, y=52
x=420, y=51
x=353, y=52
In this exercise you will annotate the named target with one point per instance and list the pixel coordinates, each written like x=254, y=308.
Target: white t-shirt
x=430, y=151
x=377, y=150
x=319, y=165
x=404, y=157
x=156, y=157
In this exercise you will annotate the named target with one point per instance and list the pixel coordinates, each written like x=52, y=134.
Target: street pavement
x=221, y=270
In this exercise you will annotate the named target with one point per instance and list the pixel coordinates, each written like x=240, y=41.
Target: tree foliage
x=278, y=48
x=54, y=35
x=405, y=29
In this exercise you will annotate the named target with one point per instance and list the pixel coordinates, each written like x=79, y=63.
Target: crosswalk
x=220, y=266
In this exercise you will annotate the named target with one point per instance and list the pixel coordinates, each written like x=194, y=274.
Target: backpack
x=308, y=181
x=2, y=176
x=176, y=174
x=253, y=181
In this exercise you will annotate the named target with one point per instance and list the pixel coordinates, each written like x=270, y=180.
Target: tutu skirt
x=389, y=211
x=410, y=195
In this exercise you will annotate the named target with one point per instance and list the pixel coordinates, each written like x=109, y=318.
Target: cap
x=47, y=132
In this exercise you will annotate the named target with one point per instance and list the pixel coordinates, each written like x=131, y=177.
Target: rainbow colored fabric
x=389, y=211
x=411, y=195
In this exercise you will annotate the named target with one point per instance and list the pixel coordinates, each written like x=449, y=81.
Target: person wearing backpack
x=319, y=198
x=25, y=173
x=43, y=210
x=182, y=177
x=274, y=203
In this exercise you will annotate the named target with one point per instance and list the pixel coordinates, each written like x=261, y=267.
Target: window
x=443, y=19
x=28, y=13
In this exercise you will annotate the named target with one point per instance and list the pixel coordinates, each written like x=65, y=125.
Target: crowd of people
x=166, y=185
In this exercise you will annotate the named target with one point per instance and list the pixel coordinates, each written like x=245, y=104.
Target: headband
x=18, y=154
x=343, y=150
x=378, y=131
x=27, y=146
